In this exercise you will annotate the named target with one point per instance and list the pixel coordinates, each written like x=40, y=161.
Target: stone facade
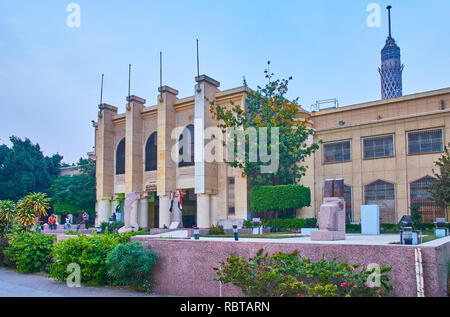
x=397, y=117
x=213, y=191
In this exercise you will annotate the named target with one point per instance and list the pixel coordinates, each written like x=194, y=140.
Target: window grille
x=378, y=147
x=337, y=152
x=429, y=141
x=382, y=193
x=188, y=132
x=151, y=153
x=120, y=158
x=231, y=196
x=420, y=195
x=348, y=203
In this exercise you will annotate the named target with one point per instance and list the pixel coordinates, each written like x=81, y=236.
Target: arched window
x=120, y=158
x=382, y=193
x=186, y=147
x=151, y=153
x=420, y=195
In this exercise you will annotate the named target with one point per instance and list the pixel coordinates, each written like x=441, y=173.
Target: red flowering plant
x=290, y=275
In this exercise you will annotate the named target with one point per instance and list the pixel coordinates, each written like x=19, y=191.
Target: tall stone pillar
x=134, y=213
x=206, y=180
x=206, y=173
x=166, y=180
x=164, y=214
x=143, y=213
x=104, y=207
x=104, y=152
x=203, y=211
x=134, y=161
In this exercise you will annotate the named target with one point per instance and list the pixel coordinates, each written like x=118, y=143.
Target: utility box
x=370, y=219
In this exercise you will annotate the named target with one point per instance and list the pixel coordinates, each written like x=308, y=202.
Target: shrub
x=131, y=264
x=248, y=224
x=88, y=252
x=216, y=230
x=279, y=198
x=389, y=228
x=353, y=228
x=30, y=252
x=292, y=224
x=288, y=275
x=111, y=227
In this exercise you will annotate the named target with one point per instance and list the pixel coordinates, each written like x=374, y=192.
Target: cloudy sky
x=50, y=73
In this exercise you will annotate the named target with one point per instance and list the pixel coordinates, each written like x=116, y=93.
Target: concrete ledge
x=185, y=267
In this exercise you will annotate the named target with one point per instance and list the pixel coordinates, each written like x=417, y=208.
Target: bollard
x=235, y=231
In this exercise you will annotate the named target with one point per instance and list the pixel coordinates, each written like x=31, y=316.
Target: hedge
x=30, y=252
x=292, y=224
x=279, y=198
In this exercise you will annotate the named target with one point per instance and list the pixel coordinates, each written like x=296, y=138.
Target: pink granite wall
x=185, y=267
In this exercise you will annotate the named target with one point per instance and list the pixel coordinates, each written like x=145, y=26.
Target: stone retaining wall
x=185, y=267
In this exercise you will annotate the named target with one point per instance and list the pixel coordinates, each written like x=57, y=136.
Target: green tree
x=25, y=169
x=71, y=194
x=268, y=107
x=32, y=207
x=440, y=187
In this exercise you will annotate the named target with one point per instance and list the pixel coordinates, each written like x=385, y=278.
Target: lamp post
x=235, y=231
x=197, y=233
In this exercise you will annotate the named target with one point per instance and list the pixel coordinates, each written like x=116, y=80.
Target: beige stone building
x=384, y=150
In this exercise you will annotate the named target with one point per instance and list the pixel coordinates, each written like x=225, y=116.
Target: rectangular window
x=378, y=147
x=421, y=142
x=231, y=196
x=337, y=152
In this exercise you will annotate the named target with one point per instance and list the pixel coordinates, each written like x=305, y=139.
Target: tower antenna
x=129, y=81
x=101, y=91
x=389, y=7
x=160, y=77
x=198, y=69
x=198, y=62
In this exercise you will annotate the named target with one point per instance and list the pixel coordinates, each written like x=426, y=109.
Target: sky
x=50, y=73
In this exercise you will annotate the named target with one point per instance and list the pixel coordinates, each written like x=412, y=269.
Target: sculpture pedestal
x=331, y=220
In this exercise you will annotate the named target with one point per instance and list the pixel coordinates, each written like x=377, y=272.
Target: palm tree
x=32, y=207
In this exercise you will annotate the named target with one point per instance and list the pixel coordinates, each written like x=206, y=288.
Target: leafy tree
x=31, y=207
x=440, y=187
x=25, y=169
x=8, y=213
x=268, y=107
x=71, y=194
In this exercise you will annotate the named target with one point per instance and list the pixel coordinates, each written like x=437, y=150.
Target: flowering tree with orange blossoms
x=269, y=108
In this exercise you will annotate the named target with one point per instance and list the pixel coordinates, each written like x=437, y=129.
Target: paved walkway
x=13, y=284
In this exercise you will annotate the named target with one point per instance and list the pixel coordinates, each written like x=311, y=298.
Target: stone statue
x=130, y=211
x=332, y=213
